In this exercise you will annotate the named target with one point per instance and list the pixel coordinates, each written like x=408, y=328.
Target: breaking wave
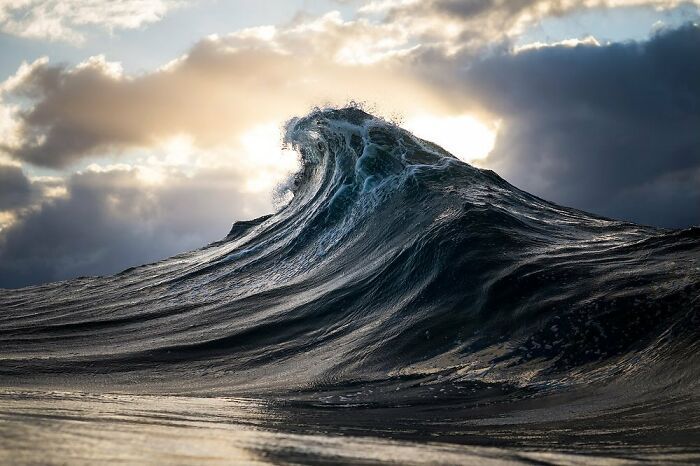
x=396, y=274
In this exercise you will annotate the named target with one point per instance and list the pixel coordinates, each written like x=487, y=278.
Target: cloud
x=214, y=93
x=472, y=24
x=110, y=219
x=67, y=20
x=588, y=40
x=15, y=188
x=612, y=129
x=20, y=195
x=223, y=85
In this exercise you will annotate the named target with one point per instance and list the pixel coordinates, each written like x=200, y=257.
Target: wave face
x=395, y=268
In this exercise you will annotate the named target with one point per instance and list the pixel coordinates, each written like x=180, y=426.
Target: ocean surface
x=403, y=307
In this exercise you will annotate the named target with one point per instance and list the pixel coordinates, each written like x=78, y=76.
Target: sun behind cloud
x=465, y=136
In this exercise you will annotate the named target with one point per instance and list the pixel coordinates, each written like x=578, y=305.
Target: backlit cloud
x=221, y=88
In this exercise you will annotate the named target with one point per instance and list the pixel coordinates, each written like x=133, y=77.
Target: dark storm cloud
x=612, y=129
x=15, y=188
x=110, y=221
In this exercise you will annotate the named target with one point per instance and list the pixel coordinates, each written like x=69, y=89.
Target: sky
x=131, y=130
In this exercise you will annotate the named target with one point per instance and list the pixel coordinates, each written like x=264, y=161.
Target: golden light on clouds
x=465, y=136
x=177, y=151
x=7, y=218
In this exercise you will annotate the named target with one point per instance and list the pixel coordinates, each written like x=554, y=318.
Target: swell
x=393, y=261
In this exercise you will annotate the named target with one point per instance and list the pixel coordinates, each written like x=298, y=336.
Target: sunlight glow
x=178, y=150
x=466, y=137
x=270, y=163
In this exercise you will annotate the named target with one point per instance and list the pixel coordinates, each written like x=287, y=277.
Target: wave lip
x=395, y=265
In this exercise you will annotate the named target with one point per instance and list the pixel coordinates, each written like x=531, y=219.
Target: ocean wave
x=393, y=266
